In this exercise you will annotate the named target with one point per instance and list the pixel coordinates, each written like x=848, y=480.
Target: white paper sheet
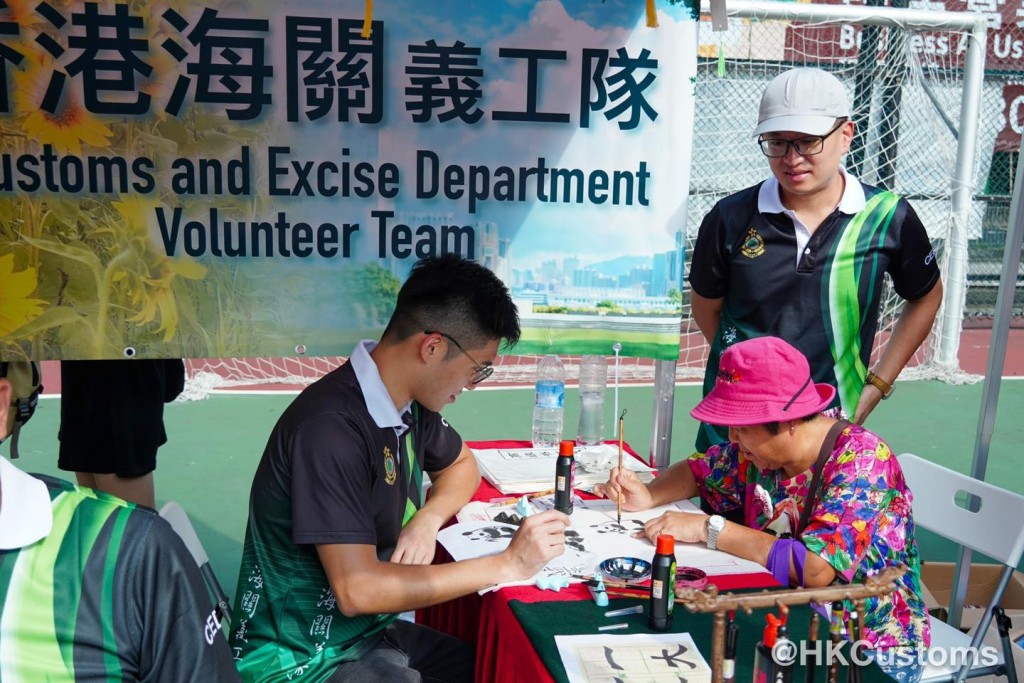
x=525, y=470
x=597, y=526
x=593, y=536
x=467, y=540
x=637, y=658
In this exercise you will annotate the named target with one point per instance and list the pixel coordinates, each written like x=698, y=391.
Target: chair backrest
x=179, y=521
x=994, y=529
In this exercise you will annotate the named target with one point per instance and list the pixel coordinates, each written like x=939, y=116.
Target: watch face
x=717, y=522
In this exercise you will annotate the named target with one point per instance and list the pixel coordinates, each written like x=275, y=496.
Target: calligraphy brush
x=812, y=637
x=623, y=593
x=732, y=632
x=835, y=636
x=628, y=590
x=618, y=501
x=513, y=501
x=590, y=581
x=853, y=629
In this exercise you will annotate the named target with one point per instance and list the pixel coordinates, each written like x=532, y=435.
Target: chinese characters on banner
x=252, y=179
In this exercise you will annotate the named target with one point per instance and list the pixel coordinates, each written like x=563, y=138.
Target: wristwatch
x=880, y=384
x=715, y=525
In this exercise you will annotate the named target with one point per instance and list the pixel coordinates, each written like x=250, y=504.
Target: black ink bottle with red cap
x=775, y=655
x=663, y=583
x=565, y=476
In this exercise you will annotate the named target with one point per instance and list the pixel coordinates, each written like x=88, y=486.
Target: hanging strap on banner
x=367, y=21
x=652, y=15
x=719, y=18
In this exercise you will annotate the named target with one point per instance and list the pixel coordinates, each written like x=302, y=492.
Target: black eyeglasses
x=776, y=148
x=481, y=371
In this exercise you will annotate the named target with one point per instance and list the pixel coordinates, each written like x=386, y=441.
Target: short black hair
x=459, y=297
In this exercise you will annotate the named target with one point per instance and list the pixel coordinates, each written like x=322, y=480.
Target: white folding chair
x=994, y=529
x=179, y=521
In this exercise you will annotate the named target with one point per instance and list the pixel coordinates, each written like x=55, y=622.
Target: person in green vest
x=803, y=255
x=339, y=540
x=94, y=588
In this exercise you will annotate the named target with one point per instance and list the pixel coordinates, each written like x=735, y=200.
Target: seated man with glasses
x=802, y=255
x=339, y=541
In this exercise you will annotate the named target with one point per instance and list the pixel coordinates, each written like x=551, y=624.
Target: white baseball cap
x=802, y=100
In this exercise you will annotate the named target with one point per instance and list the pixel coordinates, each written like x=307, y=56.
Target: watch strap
x=713, y=535
x=885, y=387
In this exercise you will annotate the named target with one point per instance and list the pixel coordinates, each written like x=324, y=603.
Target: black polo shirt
x=329, y=475
x=827, y=305
x=349, y=482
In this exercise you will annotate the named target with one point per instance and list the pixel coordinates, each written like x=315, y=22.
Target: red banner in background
x=1005, y=50
x=1008, y=139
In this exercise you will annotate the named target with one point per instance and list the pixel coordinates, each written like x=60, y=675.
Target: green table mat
x=542, y=621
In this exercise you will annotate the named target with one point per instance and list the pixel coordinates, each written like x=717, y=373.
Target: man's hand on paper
x=539, y=539
x=636, y=495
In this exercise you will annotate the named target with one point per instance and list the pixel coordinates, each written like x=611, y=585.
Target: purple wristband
x=784, y=550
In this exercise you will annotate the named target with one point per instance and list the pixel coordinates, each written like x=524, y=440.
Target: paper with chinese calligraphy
x=638, y=658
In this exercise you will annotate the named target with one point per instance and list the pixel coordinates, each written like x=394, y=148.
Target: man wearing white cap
x=803, y=254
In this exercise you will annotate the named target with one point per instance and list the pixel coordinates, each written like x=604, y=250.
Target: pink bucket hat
x=759, y=381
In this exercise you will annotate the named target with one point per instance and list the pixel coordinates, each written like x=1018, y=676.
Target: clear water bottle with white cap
x=549, y=396
x=593, y=381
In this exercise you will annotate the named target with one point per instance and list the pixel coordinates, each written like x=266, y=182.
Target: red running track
x=973, y=355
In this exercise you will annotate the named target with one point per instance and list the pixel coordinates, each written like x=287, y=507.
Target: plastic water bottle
x=593, y=380
x=548, y=398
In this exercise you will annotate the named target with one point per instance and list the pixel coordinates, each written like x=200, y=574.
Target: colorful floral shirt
x=862, y=521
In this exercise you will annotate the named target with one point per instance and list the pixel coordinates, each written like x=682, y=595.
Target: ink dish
x=626, y=569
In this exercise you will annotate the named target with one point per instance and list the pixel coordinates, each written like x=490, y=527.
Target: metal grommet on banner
x=719, y=16
x=690, y=577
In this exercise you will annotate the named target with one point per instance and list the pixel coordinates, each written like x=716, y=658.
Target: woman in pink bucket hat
x=813, y=499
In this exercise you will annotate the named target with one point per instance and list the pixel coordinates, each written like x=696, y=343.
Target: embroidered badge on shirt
x=753, y=245
x=390, y=473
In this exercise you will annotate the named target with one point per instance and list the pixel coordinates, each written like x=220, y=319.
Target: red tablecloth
x=504, y=652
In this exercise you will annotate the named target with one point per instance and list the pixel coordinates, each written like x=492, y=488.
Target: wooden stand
x=709, y=600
